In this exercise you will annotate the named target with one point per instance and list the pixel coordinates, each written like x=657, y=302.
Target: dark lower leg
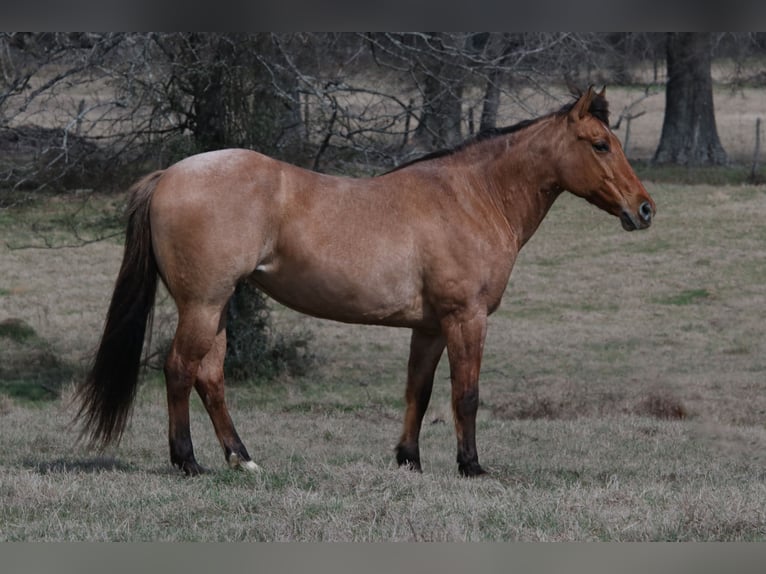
x=425, y=351
x=465, y=342
x=179, y=433
x=465, y=409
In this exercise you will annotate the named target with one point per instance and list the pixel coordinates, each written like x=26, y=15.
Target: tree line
x=93, y=110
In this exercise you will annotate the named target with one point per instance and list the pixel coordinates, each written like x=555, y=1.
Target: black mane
x=599, y=109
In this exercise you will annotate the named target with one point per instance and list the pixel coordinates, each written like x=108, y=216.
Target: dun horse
x=428, y=246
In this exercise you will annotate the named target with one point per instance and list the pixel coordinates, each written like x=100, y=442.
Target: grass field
x=622, y=398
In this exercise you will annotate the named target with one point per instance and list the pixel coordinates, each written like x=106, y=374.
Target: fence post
x=756, y=151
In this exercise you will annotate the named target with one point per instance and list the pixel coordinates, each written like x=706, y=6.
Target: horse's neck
x=537, y=203
x=522, y=183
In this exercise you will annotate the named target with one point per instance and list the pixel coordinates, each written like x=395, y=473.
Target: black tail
x=107, y=394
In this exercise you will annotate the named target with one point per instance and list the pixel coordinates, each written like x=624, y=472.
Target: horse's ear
x=582, y=105
x=602, y=93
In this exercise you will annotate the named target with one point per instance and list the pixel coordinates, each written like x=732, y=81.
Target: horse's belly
x=352, y=295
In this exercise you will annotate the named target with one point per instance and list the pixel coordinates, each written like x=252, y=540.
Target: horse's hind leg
x=194, y=338
x=425, y=351
x=210, y=387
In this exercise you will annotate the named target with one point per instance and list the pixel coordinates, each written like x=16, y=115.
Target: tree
x=689, y=134
x=347, y=102
x=453, y=74
x=222, y=89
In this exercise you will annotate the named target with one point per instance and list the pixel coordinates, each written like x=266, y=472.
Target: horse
x=427, y=246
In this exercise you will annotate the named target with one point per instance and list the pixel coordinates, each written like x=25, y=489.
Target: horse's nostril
x=645, y=211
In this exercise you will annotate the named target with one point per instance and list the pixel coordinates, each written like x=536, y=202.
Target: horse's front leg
x=426, y=349
x=465, y=332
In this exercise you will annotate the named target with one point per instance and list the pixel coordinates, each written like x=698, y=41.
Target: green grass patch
x=732, y=174
x=16, y=330
x=30, y=371
x=28, y=392
x=63, y=221
x=652, y=246
x=685, y=297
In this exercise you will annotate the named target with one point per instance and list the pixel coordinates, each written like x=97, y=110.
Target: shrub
x=254, y=351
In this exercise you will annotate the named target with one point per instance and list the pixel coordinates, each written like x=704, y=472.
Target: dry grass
x=622, y=399
x=329, y=477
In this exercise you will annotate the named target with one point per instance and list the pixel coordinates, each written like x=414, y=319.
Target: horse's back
x=336, y=247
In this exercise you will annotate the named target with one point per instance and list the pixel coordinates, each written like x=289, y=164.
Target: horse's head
x=592, y=164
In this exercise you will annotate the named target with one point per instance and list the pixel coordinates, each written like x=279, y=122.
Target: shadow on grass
x=88, y=465
x=30, y=371
x=98, y=464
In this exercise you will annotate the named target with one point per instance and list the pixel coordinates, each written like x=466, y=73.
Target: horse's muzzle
x=641, y=220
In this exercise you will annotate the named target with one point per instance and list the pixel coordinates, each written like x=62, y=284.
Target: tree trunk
x=501, y=49
x=209, y=129
x=689, y=134
x=442, y=113
x=207, y=58
x=491, y=102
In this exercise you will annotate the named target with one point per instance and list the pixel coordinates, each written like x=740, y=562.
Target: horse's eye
x=601, y=146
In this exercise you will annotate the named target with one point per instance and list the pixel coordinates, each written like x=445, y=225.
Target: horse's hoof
x=471, y=469
x=236, y=463
x=408, y=458
x=192, y=468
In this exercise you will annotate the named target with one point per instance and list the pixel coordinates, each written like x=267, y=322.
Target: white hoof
x=249, y=466
x=237, y=463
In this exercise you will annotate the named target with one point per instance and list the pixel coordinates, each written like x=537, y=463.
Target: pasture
x=621, y=399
